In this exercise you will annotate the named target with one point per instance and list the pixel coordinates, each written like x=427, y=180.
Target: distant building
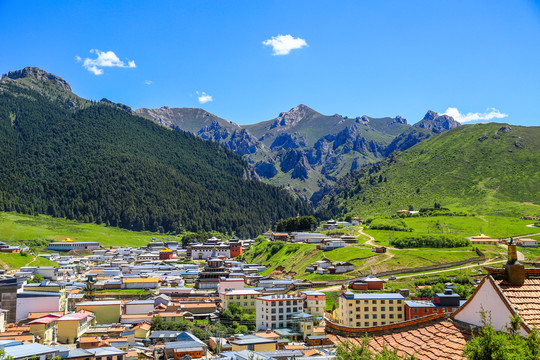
x=307, y=237
x=367, y=310
x=73, y=245
x=484, y=240
x=446, y=302
x=245, y=299
x=524, y=242
x=165, y=254
x=275, y=311
x=106, y=312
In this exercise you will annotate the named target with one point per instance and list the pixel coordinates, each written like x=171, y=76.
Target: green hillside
x=37, y=231
x=99, y=163
x=486, y=168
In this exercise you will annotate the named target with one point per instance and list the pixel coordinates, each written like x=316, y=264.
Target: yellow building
x=43, y=328
x=106, y=312
x=72, y=326
x=245, y=299
x=254, y=343
x=142, y=331
x=314, y=303
x=367, y=310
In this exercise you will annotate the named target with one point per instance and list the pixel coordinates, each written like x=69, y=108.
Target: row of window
x=383, y=316
x=390, y=301
x=374, y=308
x=287, y=310
x=427, y=310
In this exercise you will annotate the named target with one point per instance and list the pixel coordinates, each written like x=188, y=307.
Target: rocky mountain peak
x=437, y=123
x=38, y=75
x=430, y=115
x=400, y=120
x=293, y=116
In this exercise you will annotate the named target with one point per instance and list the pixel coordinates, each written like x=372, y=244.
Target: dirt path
x=31, y=261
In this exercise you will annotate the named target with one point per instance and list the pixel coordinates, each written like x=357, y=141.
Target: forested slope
x=100, y=163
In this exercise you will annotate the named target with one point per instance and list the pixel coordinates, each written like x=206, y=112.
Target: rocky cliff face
x=36, y=74
x=288, y=119
x=437, y=123
x=302, y=143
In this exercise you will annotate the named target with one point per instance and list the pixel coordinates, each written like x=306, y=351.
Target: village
x=165, y=301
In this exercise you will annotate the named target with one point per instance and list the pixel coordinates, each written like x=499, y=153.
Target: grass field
x=16, y=228
x=15, y=261
x=466, y=226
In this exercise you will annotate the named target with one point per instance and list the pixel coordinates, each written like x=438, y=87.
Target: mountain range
x=70, y=157
x=302, y=149
x=480, y=168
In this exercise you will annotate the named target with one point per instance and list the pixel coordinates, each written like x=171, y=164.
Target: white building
x=137, y=307
x=275, y=311
x=228, y=284
x=307, y=237
x=37, y=301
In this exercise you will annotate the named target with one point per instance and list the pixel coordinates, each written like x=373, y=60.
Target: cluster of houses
x=519, y=241
x=100, y=303
x=326, y=266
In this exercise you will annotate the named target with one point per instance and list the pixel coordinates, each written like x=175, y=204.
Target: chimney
x=514, y=271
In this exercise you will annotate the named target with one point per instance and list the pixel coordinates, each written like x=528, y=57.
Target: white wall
x=488, y=299
x=132, y=309
x=36, y=304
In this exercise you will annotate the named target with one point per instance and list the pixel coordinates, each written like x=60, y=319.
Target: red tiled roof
x=525, y=299
x=437, y=339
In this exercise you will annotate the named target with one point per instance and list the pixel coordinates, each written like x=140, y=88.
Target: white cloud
x=204, y=97
x=148, y=82
x=78, y=58
x=491, y=113
x=104, y=59
x=283, y=44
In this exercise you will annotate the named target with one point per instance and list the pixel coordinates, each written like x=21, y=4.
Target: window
x=390, y=308
x=391, y=316
x=383, y=308
x=280, y=317
x=109, y=357
x=245, y=296
x=426, y=310
x=366, y=323
x=273, y=311
x=374, y=316
x=399, y=316
x=373, y=301
x=358, y=324
x=374, y=323
x=399, y=308
x=390, y=301
x=366, y=316
x=358, y=316
x=374, y=308
x=383, y=316
x=383, y=323
x=382, y=301
x=366, y=308
x=399, y=301
x=357, y=302
x=357, y=309
x=237, y=297
x=366, y=302
x=415, y=310
x=245, y=303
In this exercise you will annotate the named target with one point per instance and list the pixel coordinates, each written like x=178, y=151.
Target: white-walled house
x=137, y=307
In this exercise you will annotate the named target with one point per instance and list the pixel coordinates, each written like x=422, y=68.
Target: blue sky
x=351, y=57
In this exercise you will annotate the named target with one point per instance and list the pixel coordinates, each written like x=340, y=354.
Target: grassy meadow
x=16, y=228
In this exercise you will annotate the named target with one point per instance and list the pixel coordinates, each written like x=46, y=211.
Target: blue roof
x=379, y=296
x=184, y=344
x=106, y=351
x=28, y=350
x=140, y=302
x=37, y=293
x=93, y=303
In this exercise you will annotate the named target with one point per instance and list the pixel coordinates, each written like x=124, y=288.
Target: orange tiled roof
x=525, y=299
x=437, y=339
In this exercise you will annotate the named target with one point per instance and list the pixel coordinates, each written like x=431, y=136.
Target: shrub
x=389, y=224
x=430, y=240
